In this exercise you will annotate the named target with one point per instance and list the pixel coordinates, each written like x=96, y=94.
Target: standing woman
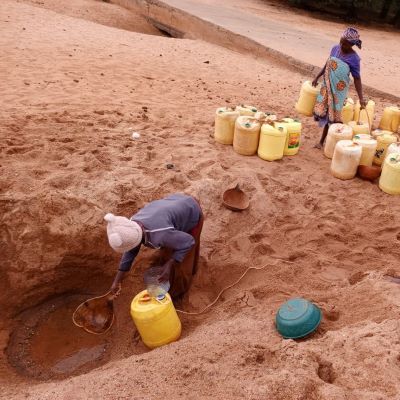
x=342, y=61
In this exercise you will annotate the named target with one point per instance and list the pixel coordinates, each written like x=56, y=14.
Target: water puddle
x=47, y=345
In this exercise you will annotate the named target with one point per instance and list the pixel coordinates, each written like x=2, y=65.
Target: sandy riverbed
x=71, y=89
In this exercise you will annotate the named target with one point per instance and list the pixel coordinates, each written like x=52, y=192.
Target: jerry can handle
x=145, y=298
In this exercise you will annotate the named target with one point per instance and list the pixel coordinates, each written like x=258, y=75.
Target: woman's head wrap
x=352, y=36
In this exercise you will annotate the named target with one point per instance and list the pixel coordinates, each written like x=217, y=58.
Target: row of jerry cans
x=361, y=119
x=374, y=146
x=354, y=115
x=225, y=120
x=350, y=112
x=269, y=138
x=348, y=156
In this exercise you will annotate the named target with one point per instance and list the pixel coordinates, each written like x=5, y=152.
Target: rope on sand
x=230, y=286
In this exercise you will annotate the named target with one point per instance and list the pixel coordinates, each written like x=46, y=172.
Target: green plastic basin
x=297, y=318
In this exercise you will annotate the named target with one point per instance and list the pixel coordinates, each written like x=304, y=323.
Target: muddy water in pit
x=47, y=345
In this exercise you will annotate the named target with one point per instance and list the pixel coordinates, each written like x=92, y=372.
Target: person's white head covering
x=123, y=234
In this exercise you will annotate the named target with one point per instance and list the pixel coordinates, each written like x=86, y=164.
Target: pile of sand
x=71, y=89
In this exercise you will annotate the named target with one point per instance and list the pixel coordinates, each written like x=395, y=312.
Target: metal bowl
x=297, y=318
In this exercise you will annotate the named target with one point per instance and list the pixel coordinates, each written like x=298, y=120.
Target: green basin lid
x=297, y=318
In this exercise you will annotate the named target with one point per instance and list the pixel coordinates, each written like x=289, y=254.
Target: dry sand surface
x=70, y=90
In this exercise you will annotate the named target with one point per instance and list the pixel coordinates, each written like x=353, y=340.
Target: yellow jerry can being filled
x=272, y=142
x=368, y=145
x=155, y=319
x=308, y=97
x=348, y=111
x=246, y=110
x=389, y=181
x=246, y=136
x=293, y=137
x=225, y=119
x=383, y=142
x=390, y=120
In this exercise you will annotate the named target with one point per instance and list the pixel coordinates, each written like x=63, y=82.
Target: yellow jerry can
x=346, y=159
x=389, y=181
x=264, y=117
x=155, y=319
x=378, y=132
x=359, y=128
x=293, y=137
x=336, y=132
x=272, y=142
x=246, y=136
x=366, y=115
x=393, y=148
x=246, y=110
x=368, y=145
x=307, y=98
x=348, y=111
x=384, y=141
x=225, y=119
x=390, y=120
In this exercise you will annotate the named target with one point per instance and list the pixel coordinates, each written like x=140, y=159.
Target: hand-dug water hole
x=47, y=345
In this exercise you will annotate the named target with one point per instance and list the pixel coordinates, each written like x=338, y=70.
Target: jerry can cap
x=247, y=124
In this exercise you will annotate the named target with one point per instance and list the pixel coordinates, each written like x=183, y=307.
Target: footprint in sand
x=326, y=372
x=357, y=277
x=263, y=249
x=19, y=149
x=256, y=237
x=194, y=175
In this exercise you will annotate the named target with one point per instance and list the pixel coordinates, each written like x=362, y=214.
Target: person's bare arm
x=124, y=267
x=359, y=89
x=116, y=285
x=315, y=81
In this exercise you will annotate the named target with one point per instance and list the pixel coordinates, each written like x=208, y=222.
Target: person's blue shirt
x=166, y=224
